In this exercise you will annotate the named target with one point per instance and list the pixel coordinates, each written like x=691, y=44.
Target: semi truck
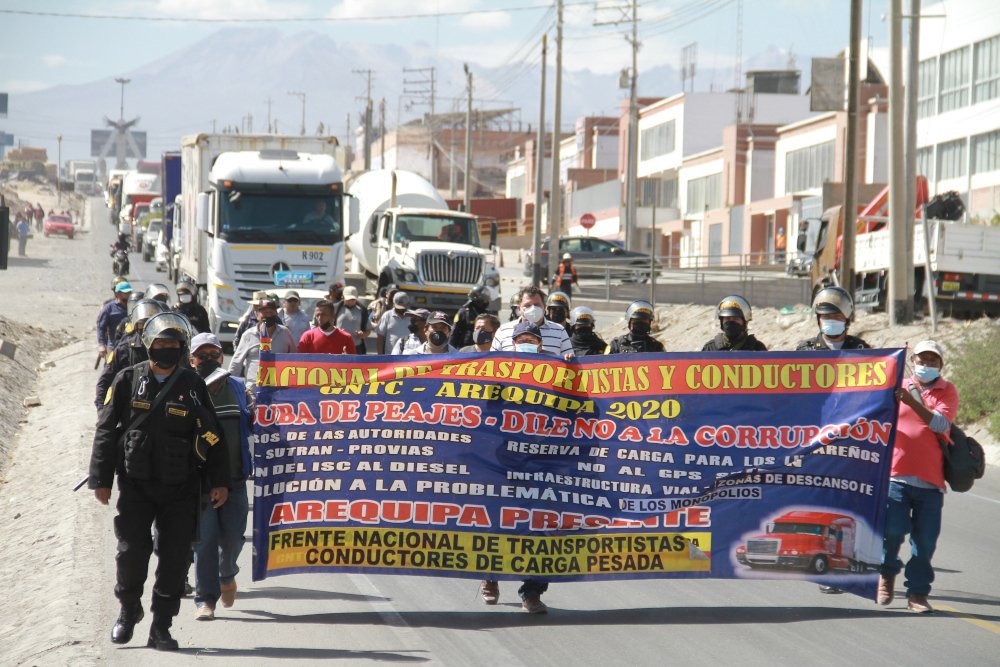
x=136, y=189
x=408, y=236
x=816, y=542
x=257, y=212
x=964, y=258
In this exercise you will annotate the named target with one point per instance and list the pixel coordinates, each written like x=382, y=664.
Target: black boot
x=159, y=636
x=129, y=616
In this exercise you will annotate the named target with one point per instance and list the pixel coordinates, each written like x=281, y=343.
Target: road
x=360, y=619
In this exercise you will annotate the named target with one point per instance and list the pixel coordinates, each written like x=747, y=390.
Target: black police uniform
x=817, y=342
x=159, y=480
x=465, y=321
x=587, y=342
x=722, y=344
x=631, y=343
x=196, y=314
x=128, y=351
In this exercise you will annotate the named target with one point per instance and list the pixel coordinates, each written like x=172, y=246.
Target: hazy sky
x=40, y=51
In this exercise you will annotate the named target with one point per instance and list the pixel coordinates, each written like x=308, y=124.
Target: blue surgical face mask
x=832, y=328
x=926, y=373
x=531, y=348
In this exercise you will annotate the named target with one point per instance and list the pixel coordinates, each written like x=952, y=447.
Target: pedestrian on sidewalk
x=23, y=229
x=220, y=529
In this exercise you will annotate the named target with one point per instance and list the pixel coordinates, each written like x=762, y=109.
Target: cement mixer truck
x=408, y=236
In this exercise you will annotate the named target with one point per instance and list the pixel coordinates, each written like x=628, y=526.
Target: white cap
x=350, y=292
x=929, y=346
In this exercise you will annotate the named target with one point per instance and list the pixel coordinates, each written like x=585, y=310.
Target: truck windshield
x=798, y=528
x=437, y=228
x=278, y=218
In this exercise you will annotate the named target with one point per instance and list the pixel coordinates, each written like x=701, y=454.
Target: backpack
x=964, y=460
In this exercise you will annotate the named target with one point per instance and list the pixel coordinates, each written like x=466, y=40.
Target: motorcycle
x=120, y=265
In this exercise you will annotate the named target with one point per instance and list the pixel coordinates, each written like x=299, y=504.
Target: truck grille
x=762, y=547
x=450, y=267
x=251, y=278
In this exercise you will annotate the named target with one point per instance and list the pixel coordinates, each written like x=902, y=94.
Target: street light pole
x=468, y=139
x=58, y=167
x=302, y=97
x=121, y=112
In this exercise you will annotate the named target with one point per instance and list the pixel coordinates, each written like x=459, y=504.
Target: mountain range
x=220, y=80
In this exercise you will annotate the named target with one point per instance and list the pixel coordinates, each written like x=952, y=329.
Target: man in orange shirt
x=565, y=276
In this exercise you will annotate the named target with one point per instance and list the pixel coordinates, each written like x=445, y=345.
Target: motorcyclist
x=640, y=318
x=188, y=306
x=834, y=310
x=465, y=318
x=733, y=313
x=129, y=349
x=120, y=264
x=583, y=337
x=557, y=308
x=158, y=292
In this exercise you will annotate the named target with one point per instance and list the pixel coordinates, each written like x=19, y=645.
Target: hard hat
x=582, y=315
x=566, y=256
x=158, y=291
x=558, y=299
x=734, y=306
x=145, y=309
x=169, y=325
x=186, y=284
x=639, y=310
x=830, y=300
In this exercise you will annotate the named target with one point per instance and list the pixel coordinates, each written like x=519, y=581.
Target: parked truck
x=258, y=212
x=964, y=258
x=407, y=235
x=816, y=542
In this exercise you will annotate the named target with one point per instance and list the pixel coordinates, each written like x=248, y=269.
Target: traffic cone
x=500, y=258
x=520, y=257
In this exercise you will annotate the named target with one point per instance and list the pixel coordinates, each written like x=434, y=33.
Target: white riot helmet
x=582, y=315
x=734, y=306
x=830, y=300
x=169, y=325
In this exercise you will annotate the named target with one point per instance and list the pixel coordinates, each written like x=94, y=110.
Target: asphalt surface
x=363, y=619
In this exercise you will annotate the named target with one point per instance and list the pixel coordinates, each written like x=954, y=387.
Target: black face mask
x=207, y=368
x=557, y=315
x=483, y=336
x=438, y=338
x=271, y=321
x=165, y=357
x=734, y=330
x=640, y=329
x=582, y=331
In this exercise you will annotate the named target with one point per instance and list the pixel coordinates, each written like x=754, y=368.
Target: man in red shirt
x=927, y=406
x=326, y=338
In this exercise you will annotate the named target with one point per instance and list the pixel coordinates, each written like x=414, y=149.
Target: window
x=598, y=245
x=986, y=152
x=951, y=160
x=570, y=245
x=704, y=194
x=954, y=80
x=660, y=192
x=925, y=162
x=516, y=187
x=927, y=88
x=986, y=70
x=808, y=167
x=656, y=141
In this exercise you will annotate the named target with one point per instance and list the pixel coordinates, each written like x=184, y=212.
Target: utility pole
x=468, y=137
x=900, y=303
x=302, y=97
x=850, y=211
x=367, y=73
x=268, y=101
x=536, y=225
x=58, y=168
x=630, y=14
x=910, y=204
x=381, y=133
x=425, y=94
x=555, y=193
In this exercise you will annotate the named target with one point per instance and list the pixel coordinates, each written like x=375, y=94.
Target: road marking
x=985, y=625
x=990, y=500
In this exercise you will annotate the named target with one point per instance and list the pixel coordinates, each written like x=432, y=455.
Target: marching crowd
x=174, y=420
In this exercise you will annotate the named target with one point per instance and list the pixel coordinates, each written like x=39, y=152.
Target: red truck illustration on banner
x=813, y=541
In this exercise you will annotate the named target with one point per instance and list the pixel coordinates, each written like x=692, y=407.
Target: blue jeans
x=918, y=512
x=219, y=544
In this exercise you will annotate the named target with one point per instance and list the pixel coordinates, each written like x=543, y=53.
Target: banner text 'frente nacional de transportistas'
x=516, y=466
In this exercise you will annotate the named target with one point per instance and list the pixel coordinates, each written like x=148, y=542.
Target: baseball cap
x=292, y=294
x=350, y=292
x=400, y=298
x=527, y=328
x=419, y=313
x=437, y=317
x=257, y=296
x=123, y=287
x=205, y=339
x=929, y=346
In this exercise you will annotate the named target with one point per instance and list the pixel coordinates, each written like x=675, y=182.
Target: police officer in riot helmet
x=557, y=309
x=125, y=327
x=129, y=350
x=159, y=292
x=188, y=306
x=734, y=313
x=640, y=320
x=834, y=310
x=582, y=334
x=465, y=318
x=158, y=433
x=515, y=307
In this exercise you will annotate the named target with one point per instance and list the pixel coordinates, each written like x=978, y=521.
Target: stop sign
x=587, y=220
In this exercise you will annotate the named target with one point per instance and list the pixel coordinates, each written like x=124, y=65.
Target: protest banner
x=514, y=466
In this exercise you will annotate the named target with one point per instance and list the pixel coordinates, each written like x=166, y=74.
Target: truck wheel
x=819, y=565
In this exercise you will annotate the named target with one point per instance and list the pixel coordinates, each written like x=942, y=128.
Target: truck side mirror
x=353, y=214
x=493, y=234
x=203, y=212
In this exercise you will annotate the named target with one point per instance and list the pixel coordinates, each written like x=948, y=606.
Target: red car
x=59, y=224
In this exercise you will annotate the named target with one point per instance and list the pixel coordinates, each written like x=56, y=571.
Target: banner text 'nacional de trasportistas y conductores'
x=514, y=466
